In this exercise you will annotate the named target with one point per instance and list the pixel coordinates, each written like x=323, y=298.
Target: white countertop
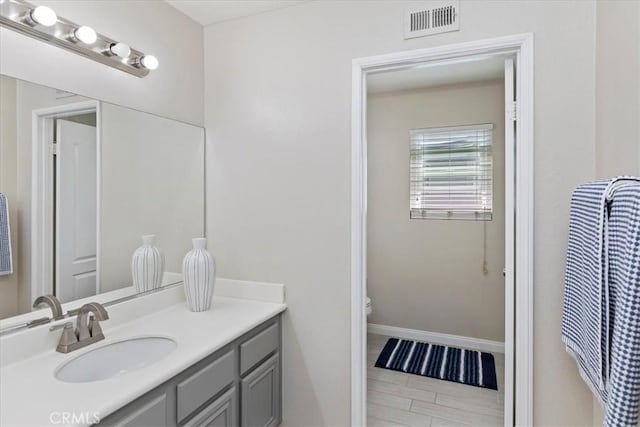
x=30, y=394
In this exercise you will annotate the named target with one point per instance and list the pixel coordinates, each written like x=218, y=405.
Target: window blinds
x=451, y=172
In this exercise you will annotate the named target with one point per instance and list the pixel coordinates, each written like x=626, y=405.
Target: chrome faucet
x=87, y=330
x=54, y=305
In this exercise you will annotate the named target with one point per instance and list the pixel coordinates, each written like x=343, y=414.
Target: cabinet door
x=261, y=395
x=221, y=413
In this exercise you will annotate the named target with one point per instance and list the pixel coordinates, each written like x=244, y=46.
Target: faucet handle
x=67, y=338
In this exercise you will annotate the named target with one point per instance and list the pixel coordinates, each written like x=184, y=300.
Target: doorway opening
x=462, y=167
x=435, y=243
x=65, y=211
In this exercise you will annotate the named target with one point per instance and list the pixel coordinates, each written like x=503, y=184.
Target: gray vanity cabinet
x=238, y=385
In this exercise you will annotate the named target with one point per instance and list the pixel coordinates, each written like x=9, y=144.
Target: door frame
x=518, y=274
x=42, y=224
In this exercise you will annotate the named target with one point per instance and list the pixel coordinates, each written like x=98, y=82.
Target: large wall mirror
x=84, y=181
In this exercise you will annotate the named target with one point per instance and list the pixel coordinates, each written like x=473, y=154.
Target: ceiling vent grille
x=438, y=17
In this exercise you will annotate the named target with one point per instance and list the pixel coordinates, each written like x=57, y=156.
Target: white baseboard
x=437, y=338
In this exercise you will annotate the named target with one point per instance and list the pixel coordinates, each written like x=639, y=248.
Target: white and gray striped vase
x=147, y=265
x=199, y=271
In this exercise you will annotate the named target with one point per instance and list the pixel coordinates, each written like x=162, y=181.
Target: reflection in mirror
x=82, y=182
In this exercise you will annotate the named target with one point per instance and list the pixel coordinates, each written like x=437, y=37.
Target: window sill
x=451, y=215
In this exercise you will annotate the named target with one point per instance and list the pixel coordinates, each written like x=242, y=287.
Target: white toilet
x=368, y=306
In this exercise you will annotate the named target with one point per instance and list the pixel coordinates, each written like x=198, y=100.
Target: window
x=451, y=173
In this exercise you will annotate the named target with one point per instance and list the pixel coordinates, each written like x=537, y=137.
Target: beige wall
x=173, y=90
x=8, y=186
x=278, y=118
x=428, y=274
x=618, y=88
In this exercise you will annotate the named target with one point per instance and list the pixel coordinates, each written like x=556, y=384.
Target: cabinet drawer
x=257, y=348
x=221, y=413
x=204, y=384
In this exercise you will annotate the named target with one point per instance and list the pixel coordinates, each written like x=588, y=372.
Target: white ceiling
x=207, y=12
x=423, y=77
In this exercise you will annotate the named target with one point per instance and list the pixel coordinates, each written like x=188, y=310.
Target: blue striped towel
x=595, y=285
x=623, y=386
x=6, y=262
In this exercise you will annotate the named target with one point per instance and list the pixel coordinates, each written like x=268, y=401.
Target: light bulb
x=44, y=15
x=85, y=34
x=120, y=49
x=149, y=62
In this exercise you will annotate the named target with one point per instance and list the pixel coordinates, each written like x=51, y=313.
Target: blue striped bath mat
x=469, y=367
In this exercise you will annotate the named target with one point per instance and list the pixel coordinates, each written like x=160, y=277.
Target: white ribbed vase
x=199, y=271
x=147, y=265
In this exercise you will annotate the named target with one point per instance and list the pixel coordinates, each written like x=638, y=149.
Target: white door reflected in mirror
x=75, y=206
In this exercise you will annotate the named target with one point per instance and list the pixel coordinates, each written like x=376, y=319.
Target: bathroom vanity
x=224, y=369
x=237, y=385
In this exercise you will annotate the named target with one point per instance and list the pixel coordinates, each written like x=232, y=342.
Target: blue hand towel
x=601, y=316
x=623, y=387
x=584, y=317
x=6, y=262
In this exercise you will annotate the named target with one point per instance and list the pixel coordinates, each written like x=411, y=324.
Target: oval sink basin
x=115, y=359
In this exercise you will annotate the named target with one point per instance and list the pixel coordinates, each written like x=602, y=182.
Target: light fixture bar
x=16, y=15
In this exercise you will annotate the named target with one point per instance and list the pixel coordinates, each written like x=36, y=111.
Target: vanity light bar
x=42, y=23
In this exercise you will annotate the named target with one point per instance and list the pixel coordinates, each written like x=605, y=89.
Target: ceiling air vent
x=436, y=17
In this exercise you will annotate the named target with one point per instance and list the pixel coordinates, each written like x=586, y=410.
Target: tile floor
x=399, y=399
